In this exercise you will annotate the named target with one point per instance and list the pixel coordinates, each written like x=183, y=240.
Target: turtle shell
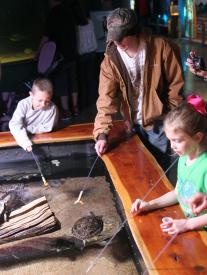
x=87, y=227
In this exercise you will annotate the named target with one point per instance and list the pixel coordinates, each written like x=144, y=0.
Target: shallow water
x=54, y=253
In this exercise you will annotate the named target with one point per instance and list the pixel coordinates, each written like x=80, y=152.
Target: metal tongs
x=84, y=186
x=40, y=170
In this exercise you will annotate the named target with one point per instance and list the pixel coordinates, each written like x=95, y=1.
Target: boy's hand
x=29, y=149
x=139, y=206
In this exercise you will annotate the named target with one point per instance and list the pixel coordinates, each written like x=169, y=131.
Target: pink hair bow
x=198, y=103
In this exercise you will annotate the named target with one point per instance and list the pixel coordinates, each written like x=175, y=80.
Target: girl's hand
x=198, y=203
x=139, y=206
x=175, y=226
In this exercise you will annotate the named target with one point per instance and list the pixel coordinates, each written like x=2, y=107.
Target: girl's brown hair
x=187, y=119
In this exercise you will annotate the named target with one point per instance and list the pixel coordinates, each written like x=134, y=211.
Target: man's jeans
x=156, y=142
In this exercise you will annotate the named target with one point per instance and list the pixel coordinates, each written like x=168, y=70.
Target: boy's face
x=41, y=100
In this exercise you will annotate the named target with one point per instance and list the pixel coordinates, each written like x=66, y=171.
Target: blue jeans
x=156, y=142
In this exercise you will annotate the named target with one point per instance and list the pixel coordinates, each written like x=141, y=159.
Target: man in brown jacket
x=143, y=76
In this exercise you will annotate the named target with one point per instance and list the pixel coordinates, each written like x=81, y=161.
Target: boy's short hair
x=121, y=22
x=44, y=85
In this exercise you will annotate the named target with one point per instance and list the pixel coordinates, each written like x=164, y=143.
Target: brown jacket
x=163, y=83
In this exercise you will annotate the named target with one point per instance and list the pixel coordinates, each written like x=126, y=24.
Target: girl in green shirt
x=186, y=128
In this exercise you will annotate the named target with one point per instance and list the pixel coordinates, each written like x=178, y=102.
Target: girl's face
x=181, y=142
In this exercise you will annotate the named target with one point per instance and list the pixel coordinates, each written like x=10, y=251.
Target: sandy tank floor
x=52, y=253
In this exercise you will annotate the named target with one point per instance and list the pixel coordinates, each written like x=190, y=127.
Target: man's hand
x=198, y=203
x=101, y=147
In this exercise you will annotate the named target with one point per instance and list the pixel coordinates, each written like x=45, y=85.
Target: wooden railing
x=134, y=171
x=70, y=133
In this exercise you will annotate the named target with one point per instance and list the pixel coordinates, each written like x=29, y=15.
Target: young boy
x=34, y=114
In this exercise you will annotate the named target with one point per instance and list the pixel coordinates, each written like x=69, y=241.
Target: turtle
x=86, y=231
x=87, y=227
x=93, y=230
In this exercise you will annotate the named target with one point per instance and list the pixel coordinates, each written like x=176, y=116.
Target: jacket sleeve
x=17, y=127
x=173, y=73
x=107, y=103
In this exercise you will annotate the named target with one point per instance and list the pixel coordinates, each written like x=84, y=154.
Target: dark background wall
x=22, y=21
x=16, y=15
x=21, y=27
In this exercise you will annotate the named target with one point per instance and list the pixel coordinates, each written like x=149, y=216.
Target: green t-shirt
x=191, y=180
